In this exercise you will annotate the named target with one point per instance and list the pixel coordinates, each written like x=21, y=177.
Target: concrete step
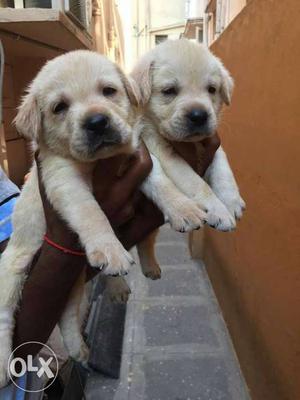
x=176, y=345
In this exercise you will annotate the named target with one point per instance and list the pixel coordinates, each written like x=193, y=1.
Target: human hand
x=199, y=155
x=55, y=272
x=147, y=216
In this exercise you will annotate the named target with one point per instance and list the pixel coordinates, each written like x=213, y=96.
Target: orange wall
x=256, y=270
x=235, y=7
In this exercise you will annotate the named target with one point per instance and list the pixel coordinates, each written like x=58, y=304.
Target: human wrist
x=61, y=235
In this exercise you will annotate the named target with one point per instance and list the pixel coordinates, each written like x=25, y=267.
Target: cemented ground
x=176, y=345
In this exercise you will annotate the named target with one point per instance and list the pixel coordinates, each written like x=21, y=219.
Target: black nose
x=198, y=117
x=96, y=123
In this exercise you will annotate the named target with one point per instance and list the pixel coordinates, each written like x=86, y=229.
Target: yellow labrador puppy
x=183, y=88
x=79, y=108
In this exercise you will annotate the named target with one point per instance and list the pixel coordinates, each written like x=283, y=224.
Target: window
x=7, y=3
x=160, y=38
x=38, y=3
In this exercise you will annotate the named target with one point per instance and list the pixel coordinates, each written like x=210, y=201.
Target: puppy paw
x=117, y=290
x=228, y=193
x=119, y=261
x=81, y=353
x=218, y=216
x=110, y=257
x=236, y=205
x=185, y=216
x=96, y=257
x=153, y=272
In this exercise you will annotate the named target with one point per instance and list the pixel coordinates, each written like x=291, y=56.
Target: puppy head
x=80, y=105
x=183, y=86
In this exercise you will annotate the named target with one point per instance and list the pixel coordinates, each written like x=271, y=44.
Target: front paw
x=235, y=205
x=185, y=216
x=219, y=217
x=110, y=257
x=79, y=351
x=82, y=355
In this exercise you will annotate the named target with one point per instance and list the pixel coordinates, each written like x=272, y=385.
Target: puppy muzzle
x=197, y=124
x=100, y=133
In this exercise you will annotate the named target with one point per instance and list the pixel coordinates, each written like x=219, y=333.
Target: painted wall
x=173, y=33
x=142, y=19
x=195, y=8
x=256, y=270
x=107, y=30
x=219, y=16
x=166, y=12
x=234, y=7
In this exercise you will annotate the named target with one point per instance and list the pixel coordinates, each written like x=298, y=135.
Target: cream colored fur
x=67, y=163
x=191, y=70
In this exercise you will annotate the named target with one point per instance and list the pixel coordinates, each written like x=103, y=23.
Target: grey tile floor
x=176, y=345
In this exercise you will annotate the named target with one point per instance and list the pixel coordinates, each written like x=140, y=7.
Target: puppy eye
x=211, y=89
x=171, y=91
x=60, y=107
x=109, y=91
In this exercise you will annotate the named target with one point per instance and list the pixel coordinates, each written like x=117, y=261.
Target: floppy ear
x=131, y=88
x=226, y=86
x=29, y=120
x=142, y=74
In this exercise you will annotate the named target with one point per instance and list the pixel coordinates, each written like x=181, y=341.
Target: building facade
x=194, y=27
x=148, y=22
x=218, y=15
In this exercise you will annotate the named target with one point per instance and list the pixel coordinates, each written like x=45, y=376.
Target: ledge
x=21, y=30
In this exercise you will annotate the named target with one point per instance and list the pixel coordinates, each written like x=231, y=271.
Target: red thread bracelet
x=63, y=249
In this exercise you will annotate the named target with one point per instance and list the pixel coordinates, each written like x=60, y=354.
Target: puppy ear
x=142, y=74
x=29, y=120
x=131, y=88
x=226, y=86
